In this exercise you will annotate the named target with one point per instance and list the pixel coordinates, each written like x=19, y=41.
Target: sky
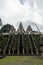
x=29, y=12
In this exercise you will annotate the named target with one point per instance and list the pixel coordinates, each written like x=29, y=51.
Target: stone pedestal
x=27, y=50
x=18, y=52
x=13, y=50
x=23, y=51
x=9, y=51
x=4, y=52
x=41, y=51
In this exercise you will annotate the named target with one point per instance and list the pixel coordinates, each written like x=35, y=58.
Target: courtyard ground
x=21, y=60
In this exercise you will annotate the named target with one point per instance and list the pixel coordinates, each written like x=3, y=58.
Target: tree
x=6, y=28
x=41, y=49
x=0, y=22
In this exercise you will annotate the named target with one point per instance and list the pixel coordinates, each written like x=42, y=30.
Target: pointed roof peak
x=20, y=25
x=29, y=28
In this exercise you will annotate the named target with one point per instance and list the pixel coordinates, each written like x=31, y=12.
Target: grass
x=21, y=60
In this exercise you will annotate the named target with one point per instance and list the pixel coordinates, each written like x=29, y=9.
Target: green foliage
x=3, y=41
x=15, y=41
x=6, y=28
x=0, y=22
x=26, y=40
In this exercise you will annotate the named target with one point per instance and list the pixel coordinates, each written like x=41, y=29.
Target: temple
x=21, y=42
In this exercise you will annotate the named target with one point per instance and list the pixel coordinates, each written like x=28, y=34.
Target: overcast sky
x=25, y=11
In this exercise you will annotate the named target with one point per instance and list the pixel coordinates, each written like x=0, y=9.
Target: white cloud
x=13, y=12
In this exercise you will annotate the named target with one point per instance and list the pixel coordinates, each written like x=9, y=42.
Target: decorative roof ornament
x=12, y=30
x=21, y=28
x=29, y=28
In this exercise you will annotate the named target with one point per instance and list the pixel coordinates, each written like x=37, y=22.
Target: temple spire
x=29, y=28
x=20, y=28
